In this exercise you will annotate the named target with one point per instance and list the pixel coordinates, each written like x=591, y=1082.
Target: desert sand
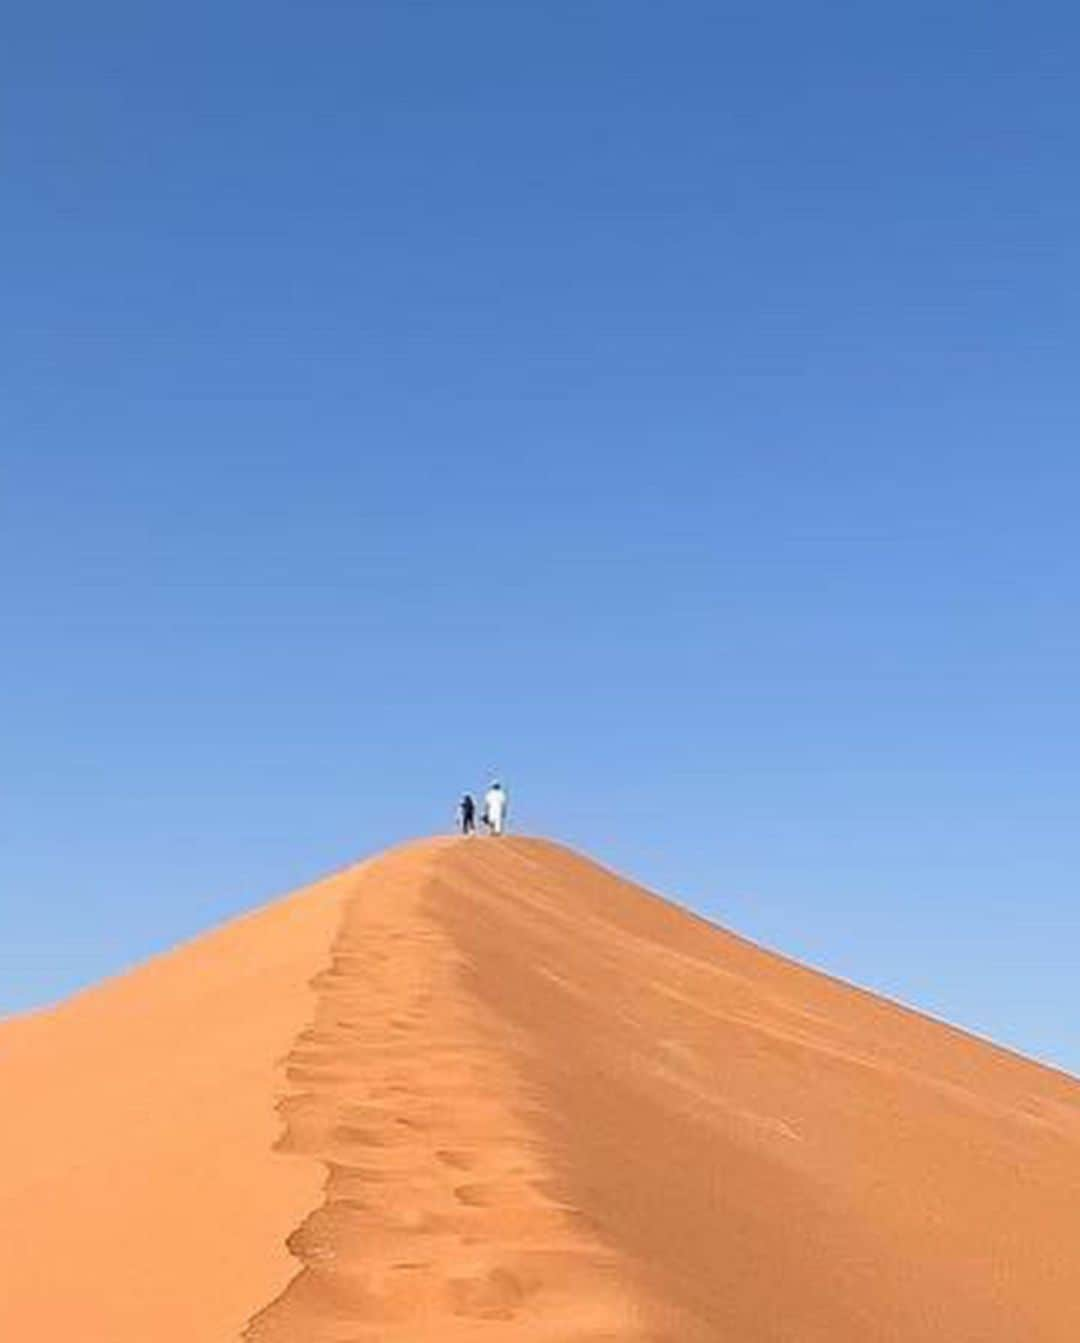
x=486, y=1090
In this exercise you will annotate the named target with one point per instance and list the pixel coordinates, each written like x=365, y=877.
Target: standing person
x=467, y=814
x=495, y=805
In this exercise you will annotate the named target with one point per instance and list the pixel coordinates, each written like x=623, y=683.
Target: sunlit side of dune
x=140, y=1196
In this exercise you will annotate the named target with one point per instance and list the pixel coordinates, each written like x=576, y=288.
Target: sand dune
x=521, y=1099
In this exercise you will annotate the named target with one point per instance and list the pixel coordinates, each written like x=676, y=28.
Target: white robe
x=495, y=801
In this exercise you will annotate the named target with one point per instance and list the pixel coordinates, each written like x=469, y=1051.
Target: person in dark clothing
x=467, y=814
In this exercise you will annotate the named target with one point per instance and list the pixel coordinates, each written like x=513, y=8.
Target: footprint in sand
x=496, y=1296
x=456, y=1160
x=473, y=1195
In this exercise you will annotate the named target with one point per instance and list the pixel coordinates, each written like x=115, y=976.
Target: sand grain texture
x=522, y=1099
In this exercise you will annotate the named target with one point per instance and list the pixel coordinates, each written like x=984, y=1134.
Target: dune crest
x=436, y=1215
x=520, y=1098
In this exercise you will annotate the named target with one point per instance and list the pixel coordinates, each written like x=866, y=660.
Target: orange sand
x=521, y=1100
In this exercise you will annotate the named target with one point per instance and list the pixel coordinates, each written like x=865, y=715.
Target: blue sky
x=672, y=408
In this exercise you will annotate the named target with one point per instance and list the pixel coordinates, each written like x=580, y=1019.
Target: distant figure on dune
x=495, y=805
x=467, y=815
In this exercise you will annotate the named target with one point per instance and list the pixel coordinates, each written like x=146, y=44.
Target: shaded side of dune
x=772, y=1153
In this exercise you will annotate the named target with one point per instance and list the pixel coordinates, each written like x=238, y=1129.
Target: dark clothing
x=467, y=813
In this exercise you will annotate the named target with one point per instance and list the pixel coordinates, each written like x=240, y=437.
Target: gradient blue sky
x=671, y=407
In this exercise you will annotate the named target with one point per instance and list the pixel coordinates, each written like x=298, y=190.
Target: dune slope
x=522, y=1099
x=140, y=1195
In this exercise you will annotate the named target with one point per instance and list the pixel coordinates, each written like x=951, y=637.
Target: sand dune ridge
x=480, y=1089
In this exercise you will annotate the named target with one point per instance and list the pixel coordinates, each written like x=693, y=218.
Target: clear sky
x=672, y=408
